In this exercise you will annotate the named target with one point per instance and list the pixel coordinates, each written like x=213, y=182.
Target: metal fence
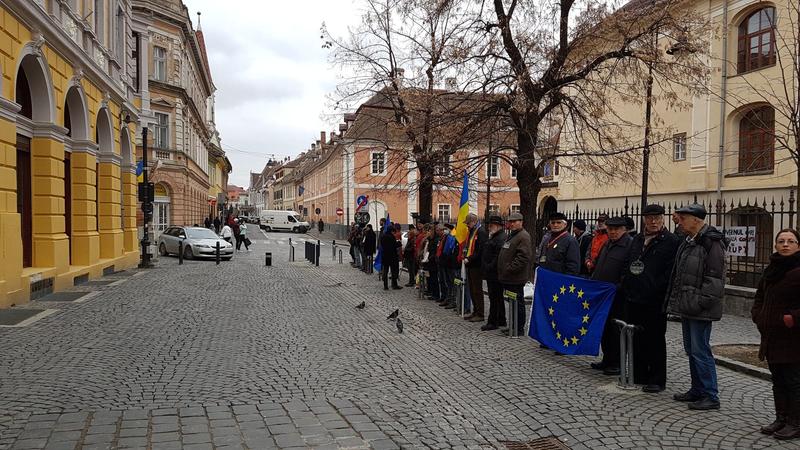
x=749, y=223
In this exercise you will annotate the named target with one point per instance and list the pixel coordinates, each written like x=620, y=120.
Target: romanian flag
x=462, y=232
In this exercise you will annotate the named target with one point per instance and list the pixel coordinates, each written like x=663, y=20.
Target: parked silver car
x=198, y=242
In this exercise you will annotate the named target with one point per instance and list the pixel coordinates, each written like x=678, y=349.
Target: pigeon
x=393, y=316
x=361, y=305
x=399, y=324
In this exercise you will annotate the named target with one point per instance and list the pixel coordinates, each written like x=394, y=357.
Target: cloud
x=271, y=74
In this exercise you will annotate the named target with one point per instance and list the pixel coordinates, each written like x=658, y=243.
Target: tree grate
x=547, y=443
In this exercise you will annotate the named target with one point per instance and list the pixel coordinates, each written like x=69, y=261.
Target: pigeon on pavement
x=393, y=315
x=361, y=305
x=399, y=324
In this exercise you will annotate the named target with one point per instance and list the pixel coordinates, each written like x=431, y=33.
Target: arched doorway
x=377, y=211
x=76, y=123
x=33, y=93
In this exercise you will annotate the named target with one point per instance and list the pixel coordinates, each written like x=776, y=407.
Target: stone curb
x=741, y=367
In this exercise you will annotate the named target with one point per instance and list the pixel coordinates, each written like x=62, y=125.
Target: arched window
x=757, y=40
x=756, y=140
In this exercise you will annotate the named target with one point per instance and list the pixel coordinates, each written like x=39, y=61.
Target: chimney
x=450, y=84
x=322, y=137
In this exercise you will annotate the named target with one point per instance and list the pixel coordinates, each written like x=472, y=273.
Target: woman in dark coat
x=776, y=312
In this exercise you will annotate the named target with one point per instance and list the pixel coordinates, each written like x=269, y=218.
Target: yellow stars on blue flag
x=555, y=298
x=585, y=304
x=571, y=288
x=577, y=295
x=583, y=331
x=563, y=289
x=551, y=310
x=580, y=293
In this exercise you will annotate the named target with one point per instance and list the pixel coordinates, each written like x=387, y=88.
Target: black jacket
x=369, y=242
x=489, y=253
x=650, y=286
x=697, y=282
x=613, y=261
x=476, y=259
x=389, y=248
x=561, y=253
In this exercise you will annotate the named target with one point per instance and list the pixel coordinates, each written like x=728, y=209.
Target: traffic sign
x=362, y=217
x=339, y=212
x=361, y=202
x=317, y=211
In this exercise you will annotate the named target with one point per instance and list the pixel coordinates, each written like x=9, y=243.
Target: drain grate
x=14, y=316
x=62, y=297
x=547, y=443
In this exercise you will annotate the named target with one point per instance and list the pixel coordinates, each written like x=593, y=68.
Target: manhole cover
x=63, y=297
x=14, y=316
x=548, y=443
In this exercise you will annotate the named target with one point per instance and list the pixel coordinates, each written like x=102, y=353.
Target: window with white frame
x=679, y=147
x=444, y=213
x=161, y=131
x=159, y=63
x=515, y=209
x=443, y=167
x=494, y=210
x=493, y=168
x=378, y=163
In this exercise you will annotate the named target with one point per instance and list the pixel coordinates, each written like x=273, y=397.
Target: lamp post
x=147, y=206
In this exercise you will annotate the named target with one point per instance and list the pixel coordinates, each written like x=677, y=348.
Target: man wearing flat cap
x=560, y=250
x=491, y=250
x=611, y=265
x=697, y=285
x=645, y=286
x=514, y=265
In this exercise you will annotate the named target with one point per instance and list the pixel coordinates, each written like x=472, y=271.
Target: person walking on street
x=473, y=257
x=227, y=233
x=514, y=265
x=612, y=263
x=320, y=225
x=243, y=237
x=409, y=256
x=490, y=252
x=217, y=224
x=645, y=286
x=776, y=313
x=697, y=285
x=560, y=251
x=207, y=223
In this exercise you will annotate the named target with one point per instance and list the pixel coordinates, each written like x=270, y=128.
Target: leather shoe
x=707, y=403
x=652, y=388
x=779, y=423
x=397, y=287
x=450, y=306
x=611, y=371
x=468, y=316
x=596, y=366
x=686, y=397
x=789, y=431
x=442, y=303
x=488, y=327
x=476, y=319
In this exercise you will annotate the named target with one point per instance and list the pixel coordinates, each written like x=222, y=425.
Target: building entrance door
x=160, y=217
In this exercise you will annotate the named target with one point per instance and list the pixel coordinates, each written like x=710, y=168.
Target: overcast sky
x=271, y=74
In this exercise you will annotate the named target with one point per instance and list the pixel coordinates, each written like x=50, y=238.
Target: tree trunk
x=425, y=190
x=529, y=183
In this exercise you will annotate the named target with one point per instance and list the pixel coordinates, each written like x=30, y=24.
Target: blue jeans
x=696, y=344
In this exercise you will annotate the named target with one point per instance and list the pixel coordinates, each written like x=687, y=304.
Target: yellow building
x=67, y=175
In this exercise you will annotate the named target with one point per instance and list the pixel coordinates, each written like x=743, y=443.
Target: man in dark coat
x=368, y=246
x=390, y=259
x=473, y=256
x=645, y=286
x=514, y=265
x=697, y=286
x=584, y=239
x=217, y=224
x=612, y=262
x=560, y=251
x=489, y=254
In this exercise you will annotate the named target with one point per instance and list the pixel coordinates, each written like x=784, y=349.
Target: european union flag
x=569, y=313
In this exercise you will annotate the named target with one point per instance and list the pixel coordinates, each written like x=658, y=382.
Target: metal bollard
x=458, y=288
x=180, y=252
x=626, y=375
x=317, y=251
x=511, y=298
x=333, y=251
x=340, y=256
x=216, y=253
x=268, y=259
x=422, y=276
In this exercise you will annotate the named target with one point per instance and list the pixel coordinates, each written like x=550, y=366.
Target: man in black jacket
x=645, y=286
x=560, y=251
x=368, y=248
x=489, y=254
x=473, y=252
x=390, y=258
x=612, y=263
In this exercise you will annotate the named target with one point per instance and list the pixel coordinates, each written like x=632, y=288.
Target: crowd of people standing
x=657, y=273
x=232, y=230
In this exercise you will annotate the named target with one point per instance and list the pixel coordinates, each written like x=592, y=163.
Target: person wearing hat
x=473, y=256
x=560, y=250
x=612, y=263
x=514, y=264
x=491, y=250
x=696, y=289
x=447, y=259
x=630, y=226
x=584, y=239
x=645, y=286
x=599, y=238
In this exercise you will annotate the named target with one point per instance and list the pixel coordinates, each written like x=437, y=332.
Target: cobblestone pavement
x=200, y=356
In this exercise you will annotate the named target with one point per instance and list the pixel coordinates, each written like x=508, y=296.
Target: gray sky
x=271, y=74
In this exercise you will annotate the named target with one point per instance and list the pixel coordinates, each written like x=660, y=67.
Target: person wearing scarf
x=776, y=313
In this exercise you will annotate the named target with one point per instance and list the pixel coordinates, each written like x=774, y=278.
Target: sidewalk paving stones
x=241, y=355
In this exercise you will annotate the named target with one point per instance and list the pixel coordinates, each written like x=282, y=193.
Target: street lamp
x=146, y=196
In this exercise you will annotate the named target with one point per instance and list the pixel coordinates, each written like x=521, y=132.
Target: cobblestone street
x=200, y=356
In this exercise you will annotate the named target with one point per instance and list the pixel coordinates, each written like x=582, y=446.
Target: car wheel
x=294, y=230
x=187, y=252
x=162, y=250
x=267, y=229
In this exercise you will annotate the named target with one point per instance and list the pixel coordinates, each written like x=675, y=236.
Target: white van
x=277, y=220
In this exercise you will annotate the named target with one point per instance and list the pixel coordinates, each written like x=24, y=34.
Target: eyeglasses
x=782, y=242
